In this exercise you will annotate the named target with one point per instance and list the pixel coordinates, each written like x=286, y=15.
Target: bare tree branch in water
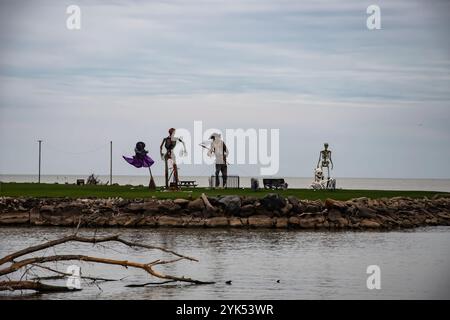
x=75, y=238
x=149, y=284
x=39, y=261
x=32, y=285
x=62, y=275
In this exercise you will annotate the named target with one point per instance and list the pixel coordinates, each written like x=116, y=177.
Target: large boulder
x=341, y=222
x=235, y=222
x=169, y=206
x=366, y=223
x=249, y=200
x=47, y=209
x=273, y=202
x=296, y=205
x=286, y=211
x=260, y=222
x=217, y=222
x=151, y=207
x=181, y=202
x=365, y=212
x=195, y=222
x=125, y=220
x=334, y=204
x=334, y=215
x=134, y=207
x=281, y=222
x=14, y=218
x=311, y=205
x=231, y=204
x=247, y=210
x=169, y=221
x=30, y=203
x=307, y=223
x=294, y=221
x=148, y=221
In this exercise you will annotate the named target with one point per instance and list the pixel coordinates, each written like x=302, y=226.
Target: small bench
x=275, y=183
x=80, y=182
x=187, y=184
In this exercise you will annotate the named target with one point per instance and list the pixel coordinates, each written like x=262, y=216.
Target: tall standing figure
x=325, y=160
x=219, y=150
x=169, y=143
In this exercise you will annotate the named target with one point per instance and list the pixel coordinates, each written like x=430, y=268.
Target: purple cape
x=140, y=162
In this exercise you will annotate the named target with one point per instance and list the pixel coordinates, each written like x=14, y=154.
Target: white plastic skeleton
x=321, y=183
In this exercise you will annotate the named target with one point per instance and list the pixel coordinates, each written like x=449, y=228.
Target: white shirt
x=217, y=148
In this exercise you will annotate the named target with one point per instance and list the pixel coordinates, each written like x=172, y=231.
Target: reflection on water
x=309, y=265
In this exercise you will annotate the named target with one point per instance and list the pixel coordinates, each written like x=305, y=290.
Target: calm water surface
x=310, y=265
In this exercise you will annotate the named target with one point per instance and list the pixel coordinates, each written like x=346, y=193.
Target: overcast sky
x=312, y=69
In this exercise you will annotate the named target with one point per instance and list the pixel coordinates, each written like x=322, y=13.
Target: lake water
x=415, y=264
x=345, y=183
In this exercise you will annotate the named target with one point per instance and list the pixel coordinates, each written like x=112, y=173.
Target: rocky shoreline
x=271, y=211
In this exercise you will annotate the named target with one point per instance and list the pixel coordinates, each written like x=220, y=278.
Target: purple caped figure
x=140, y=159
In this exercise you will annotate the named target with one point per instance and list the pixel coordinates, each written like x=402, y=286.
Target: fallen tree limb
x=208, y=204
x=94, y=240
x=124, y=263
x=32, y=285
x=39, y=261
x=149, y=284
x=63, y=275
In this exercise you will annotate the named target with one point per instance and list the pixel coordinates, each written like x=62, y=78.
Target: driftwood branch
x=148, y=267
x=32, y=285
x=28, y=263
x=75, y=238
x=62, y=275
x=149, y=284
x=208, y=204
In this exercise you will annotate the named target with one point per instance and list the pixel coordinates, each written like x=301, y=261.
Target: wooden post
x=110, y=163
x=39, y=174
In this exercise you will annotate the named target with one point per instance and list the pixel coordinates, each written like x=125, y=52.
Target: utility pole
x=110, y=163
x=39, y=176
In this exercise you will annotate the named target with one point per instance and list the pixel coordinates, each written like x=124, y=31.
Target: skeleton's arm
x=331, y=161
x=161, y=148
x=320, y=157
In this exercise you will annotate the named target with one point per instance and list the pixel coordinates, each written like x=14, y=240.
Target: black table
x=187, y=183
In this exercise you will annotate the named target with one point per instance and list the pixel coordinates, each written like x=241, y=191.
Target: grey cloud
x=137, y=67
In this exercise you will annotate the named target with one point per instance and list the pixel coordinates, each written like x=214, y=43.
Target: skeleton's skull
x=318, y=174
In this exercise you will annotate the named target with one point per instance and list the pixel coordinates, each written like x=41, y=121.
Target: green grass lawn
x=128, y=192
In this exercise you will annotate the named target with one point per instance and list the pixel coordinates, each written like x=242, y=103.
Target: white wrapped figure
x=219, y=150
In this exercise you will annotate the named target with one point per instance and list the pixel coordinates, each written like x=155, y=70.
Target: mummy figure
x=219, y=150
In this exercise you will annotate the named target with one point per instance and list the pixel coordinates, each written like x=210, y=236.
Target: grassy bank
x=128, y=192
